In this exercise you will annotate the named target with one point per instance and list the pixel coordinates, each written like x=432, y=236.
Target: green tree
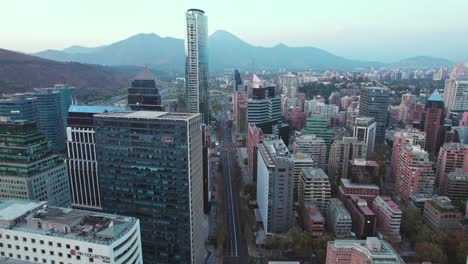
x=427, y=251
x=300, y=242
x=250, y=189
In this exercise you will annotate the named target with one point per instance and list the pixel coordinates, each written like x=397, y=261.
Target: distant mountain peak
x=280, y=45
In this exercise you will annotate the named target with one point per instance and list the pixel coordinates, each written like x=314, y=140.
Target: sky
x=380, y=30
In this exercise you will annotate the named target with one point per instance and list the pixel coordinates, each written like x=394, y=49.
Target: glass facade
x=196, y=68
x=144, y=95
x=374, y=103
x=49, y=107
x=28, y=168
x=19, y=108
x=151, y=169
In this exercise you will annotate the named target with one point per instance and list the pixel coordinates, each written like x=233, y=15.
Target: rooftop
x=364, y=162
x=38, y=218
x=435, y=96
x=458, y=175
x=373, y=248
x=348, y=184
x=442, y=203
x=97, y=109
x=390, y=203
x=314, y=173
x=148, y=115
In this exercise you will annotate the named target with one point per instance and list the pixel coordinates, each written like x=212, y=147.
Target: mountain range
x=226, y=51
x=20, y=73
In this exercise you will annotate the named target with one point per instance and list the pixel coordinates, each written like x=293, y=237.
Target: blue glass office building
x=150, y=167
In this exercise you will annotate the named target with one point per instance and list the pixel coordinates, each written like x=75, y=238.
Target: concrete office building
x=81, y=155
x=29, y=170
x=290, y=83
x=364, y=130
x=457, y=185
x=150, y=167
x=196, y=63
x=401, y=138
x=367, y=192
x=275, y=186
x=338, y=219
x=364, y=171
x=32, y=231
x=369, y=251
x=313, y=146
x=451, y=156
x=440, y=215
x=342, y=151
x=415, y=174
x=300, y=161
x=374, y=103
x=314, y=188
x=364, y=219
x=143, y=95
x=388, y=216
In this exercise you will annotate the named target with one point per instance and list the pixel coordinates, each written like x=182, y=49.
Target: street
x=235, y=248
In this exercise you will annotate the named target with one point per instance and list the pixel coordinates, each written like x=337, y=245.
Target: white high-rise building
x=196, y=65
x=314, y=146
x=275, y=186
x=32, y=231
x=456, y=95
x=364, y=130
x=290, y=82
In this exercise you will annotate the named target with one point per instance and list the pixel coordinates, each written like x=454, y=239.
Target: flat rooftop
x=154, y=115
x=314, y=173
x=348, y=184
x=372, y=247
x=96, y=109
x=12, y=209
x=37, y=218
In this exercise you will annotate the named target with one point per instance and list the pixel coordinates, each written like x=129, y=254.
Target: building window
x=91, y=260
x=90, y=250
x=59, y=244
x=50, y=243
x=67, y=246
x=77, y=247
x=34, y=250
x=41, y=242
x=60, y=254
x=43, y=251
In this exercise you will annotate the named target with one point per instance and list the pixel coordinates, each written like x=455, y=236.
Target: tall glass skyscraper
x=196, y=65
x=374, y=103
x=150, y=167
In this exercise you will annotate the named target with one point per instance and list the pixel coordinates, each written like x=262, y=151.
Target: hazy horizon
x=365, y=30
